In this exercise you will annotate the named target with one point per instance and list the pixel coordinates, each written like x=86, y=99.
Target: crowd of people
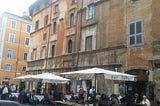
x=91, y=98
x=23, y=96
x=6, y=90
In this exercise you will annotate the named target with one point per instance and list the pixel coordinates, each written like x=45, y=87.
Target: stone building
x=71, y=35
x=14, y=44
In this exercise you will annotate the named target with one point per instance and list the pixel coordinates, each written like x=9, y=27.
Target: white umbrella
x=107, y=74
x=25, y=77
x=50, y=78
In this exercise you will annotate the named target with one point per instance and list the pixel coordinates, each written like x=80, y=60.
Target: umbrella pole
x=95, y=82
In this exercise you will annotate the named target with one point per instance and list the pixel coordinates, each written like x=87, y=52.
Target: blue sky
x=15, y=6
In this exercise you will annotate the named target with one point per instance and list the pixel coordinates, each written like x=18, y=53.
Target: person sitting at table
x=61, y=96
x=104, y=100
x=136, y=98
x=72, y=96
x=145, y=101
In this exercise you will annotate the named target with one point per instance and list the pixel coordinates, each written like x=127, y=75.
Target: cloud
x=15, y=6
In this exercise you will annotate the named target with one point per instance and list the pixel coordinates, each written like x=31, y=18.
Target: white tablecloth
x=15, y=95
x=68, y=97
x=39, y=97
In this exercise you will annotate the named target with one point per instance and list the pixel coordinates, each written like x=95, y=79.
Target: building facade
x=110, y=34
x=14, y=46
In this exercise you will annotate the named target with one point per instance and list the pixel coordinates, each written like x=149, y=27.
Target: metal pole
x=95, y=82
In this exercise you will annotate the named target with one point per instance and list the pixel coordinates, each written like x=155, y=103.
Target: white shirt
x=146, y=102
x=91, y=91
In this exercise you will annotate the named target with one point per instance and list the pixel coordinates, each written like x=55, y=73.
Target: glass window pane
x=132, y=29
x=139, y=39
x=90, y=11
x=138, y=27
x=89, y=43
x=53, y=50
x=132, y=40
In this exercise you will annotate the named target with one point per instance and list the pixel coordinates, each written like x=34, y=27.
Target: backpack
x=5, y=90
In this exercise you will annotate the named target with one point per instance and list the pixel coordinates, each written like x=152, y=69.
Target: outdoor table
x=15, y=95
x=63, y=103
x=39, y=97
x=68, y=97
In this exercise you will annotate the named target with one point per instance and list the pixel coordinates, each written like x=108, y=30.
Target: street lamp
x=116, y=69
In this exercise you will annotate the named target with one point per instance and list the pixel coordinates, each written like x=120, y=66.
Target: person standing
x=5, y=92
x=81, y=94
x=92, y=91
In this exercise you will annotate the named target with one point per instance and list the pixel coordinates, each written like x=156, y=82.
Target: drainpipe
x=49, y=34
x=17, y=60
x=78, y=50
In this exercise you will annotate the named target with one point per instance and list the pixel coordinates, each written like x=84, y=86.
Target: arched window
x=70, y=46
x=53, y=51
x=72, y=20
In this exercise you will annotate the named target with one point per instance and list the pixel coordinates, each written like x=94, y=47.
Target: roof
x=20, y=18
x=37, y=2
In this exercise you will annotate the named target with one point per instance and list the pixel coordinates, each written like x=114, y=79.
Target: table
x=63, y=103
x=68, y=97
x=39, y=97
x=15, y=95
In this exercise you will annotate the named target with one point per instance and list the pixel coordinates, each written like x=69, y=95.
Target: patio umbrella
x=50, y=78
x=25, y=77
x=108, y=74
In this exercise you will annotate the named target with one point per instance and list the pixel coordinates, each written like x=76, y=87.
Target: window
x=9, y=54
x=24, y=68
x=46, y=20
x=33, y=54
x=88, y=43
x=136, y=33
x=72, y=20
x=11, y=38
x=43, y=52
x=5, y=79
x=37, y=25
x=54, y=27
x=25, y=56
x=13, y=24
x=70, y=46
x=53, y=50
x=28, y=28
x=44, y=36
x=90, y=11
x=56, y=8
x=8, y=67
x=27, y=41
